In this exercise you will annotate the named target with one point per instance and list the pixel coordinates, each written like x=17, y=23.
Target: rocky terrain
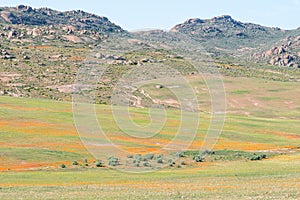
x=42, y=49
x=287, y=54
x=224, y=35
x=26, y=15
x=222, y=26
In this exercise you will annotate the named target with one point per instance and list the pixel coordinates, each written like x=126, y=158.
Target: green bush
x=208, y=152
x=179, y=154
x=129, y=156
x=75, y=163
x=171, y=163
x=99, y=163
x=63, y=166
x=149, y=156
x=160, y=160
x=138, y=157
x=258, y=157
x=198, y=158
x=113, y=161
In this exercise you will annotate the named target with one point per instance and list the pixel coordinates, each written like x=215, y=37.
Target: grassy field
x=270, y=179
x=37, y=136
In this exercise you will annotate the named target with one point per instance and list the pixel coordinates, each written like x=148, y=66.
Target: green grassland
x=269, y=179
x=37, y=136
x=44, y=154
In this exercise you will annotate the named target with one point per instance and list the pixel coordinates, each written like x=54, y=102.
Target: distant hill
x=223, y=26
x=226, y=36
x=26, y=15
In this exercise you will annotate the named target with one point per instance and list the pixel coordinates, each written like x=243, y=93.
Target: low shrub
x=149, y=156
x=113, y=161
x=159, y=160
x=258, y=157
x=129, y=156
x=138, y=157
x=99, y=163
x=75, y=163
x=179, y=154
x=198, y=158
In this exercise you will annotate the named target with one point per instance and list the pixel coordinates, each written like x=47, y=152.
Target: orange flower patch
x=247, y=146
x=68, y=147
x=29, y=166
x=38, y=47
x=31, y=108
x=38, y=128
x=281, y=134
x=76, y=58
x=141, y=150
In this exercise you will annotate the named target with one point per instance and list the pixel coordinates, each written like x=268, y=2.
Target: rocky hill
x=224, y=35
x=223, y=26
x=285, y=54
x=26, y=15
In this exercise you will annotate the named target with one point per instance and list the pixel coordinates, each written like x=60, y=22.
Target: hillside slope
x=224, y=35
x=26, y=15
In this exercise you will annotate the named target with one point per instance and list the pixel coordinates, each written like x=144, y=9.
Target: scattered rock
x=194, y=21
x=113, y=57
x=297, y=39
x=285, y=62
x=119, y=58
x=295, y=65
x=283, y=55
x=69, y=29
x=131, y=62
x=7, y=16
x=57, y=56
x=12, y=34
x=272, y=61
x=26, y=58
x=24, y=8
x=73, y=38
x=145, y=60
x=99, y=55
x=281, y=50
x=36, y=32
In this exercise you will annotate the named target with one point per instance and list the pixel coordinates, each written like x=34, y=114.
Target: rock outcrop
x=80, y=20
x=287, y=55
